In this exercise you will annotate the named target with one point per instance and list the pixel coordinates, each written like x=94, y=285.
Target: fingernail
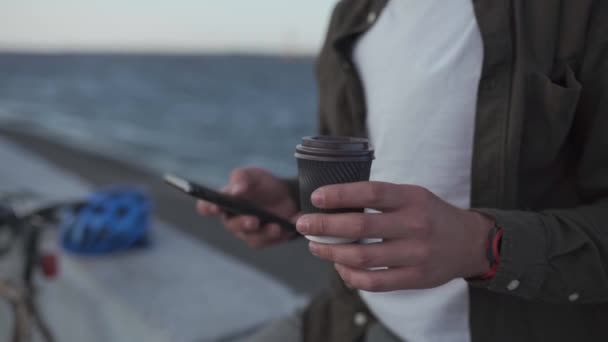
x=318, y=198
x=314, y=249
x=303, y=225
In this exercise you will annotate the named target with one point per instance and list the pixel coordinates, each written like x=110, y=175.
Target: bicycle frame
x=21, y=293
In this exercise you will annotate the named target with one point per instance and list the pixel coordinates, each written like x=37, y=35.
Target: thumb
x=242, y=180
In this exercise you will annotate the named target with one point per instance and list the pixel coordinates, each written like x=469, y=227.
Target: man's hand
x=427, y=242
x=263, y=189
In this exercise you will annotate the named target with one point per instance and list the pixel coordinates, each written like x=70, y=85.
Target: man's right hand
x=265, y=190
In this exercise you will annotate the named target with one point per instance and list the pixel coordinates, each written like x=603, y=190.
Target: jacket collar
x=359, y=18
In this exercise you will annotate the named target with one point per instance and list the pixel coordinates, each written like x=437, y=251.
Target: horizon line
x=159, y=53
x=175, y=50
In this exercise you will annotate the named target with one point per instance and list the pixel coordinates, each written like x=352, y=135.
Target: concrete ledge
x=179, y=289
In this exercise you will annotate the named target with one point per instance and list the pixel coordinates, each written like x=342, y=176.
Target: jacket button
x=573, y=297
x=360, y=319
x=513, y=284
x=371, y=17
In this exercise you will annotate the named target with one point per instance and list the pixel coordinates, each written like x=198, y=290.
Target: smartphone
x=229, y=204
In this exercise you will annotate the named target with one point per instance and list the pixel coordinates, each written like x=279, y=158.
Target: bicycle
x=20, y=238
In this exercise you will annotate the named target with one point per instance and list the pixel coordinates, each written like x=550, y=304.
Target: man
x=490, y=178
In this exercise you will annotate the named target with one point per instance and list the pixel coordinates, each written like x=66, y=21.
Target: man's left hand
x=426, y=241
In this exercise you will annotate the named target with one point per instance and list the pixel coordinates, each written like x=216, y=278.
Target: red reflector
x=49, y=265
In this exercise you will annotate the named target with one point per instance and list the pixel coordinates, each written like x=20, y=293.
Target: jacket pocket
x=552, y=102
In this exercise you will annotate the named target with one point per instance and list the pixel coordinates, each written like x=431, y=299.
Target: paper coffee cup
x=326, y=160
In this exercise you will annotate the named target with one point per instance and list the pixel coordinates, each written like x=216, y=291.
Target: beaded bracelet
x=492, y=251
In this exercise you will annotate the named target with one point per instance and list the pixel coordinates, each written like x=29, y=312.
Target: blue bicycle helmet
x=110, y=220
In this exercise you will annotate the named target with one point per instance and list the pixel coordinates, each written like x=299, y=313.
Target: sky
x=186, y=26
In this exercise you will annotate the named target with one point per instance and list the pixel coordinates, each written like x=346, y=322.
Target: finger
x=264, y=238
x=242, y=224
x=272, y=230
x=376, y=195
x=383, y=254
x=258, y=243
x=275, y=233
x=207, y=209
x=353, y=225
x=241, y=236
x=384, y=280
x=254, y=240
x=243, y=180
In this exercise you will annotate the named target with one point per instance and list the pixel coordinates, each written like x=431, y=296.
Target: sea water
x=198, y=116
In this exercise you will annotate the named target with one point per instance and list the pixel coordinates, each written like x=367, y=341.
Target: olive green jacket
x=540, y=166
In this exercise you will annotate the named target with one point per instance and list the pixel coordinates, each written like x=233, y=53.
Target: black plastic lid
x=335, y=148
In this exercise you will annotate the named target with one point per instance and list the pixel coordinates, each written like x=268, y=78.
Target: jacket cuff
x=523, y=263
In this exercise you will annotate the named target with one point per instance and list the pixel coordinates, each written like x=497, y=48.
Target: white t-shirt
x=420, y=66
